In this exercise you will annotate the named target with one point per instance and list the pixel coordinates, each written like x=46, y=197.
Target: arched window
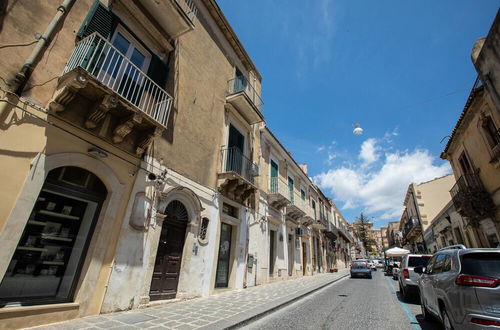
x=48, y=258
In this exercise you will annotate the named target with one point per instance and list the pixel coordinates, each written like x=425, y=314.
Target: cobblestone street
x=219, y=311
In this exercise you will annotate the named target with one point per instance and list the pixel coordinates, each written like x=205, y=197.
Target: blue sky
x=401, y=69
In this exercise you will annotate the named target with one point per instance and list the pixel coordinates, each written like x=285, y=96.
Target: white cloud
x=380, y=191
x=368, y=153
x=320, y=148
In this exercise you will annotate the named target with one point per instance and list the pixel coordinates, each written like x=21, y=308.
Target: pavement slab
x=227, y=309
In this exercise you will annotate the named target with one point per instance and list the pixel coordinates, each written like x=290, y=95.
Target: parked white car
x=408, y=279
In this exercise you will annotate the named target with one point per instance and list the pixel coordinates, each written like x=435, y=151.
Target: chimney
x=303, y=167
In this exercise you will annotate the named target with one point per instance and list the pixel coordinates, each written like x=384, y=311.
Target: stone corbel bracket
x=66, y=91
x=101, y=108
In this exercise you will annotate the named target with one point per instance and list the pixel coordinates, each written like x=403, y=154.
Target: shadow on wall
x=4, y=10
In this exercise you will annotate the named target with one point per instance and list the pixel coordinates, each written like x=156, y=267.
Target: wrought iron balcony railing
x=189, y=8
x=471, y=199
x=111, y=68
x=241, y=84
x=277, y=186
x=234, y=161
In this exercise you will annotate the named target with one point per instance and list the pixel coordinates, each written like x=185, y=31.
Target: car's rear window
x=359, y=265
x=418, y=261
x=481, y=264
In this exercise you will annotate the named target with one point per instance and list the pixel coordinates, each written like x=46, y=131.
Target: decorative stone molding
x=66, y=92
x=122, y=130
x=146, y=142
x=100, y=110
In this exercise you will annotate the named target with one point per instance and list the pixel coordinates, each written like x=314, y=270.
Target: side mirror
x=418, y=270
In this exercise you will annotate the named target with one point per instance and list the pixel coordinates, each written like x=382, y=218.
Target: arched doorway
x=49, y=256
x=169, y=256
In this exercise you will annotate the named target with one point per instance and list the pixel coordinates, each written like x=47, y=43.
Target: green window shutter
x=99, y=19
x=158, y=71
x=274, y=169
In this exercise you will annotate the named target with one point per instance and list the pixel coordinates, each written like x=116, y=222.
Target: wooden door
x=169, y=256
x=291, y=256
x=272, y=255
x=304, y=259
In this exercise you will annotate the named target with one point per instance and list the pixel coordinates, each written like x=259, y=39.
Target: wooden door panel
x=169, y=256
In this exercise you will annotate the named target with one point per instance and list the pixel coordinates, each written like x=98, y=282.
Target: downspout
x=24, y=74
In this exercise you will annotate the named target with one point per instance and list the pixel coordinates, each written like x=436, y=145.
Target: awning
x=396, y=252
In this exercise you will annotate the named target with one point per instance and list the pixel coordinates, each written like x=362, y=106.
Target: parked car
x=360, y=268
x=461, y=287
x=371, y=265
x=407, y=277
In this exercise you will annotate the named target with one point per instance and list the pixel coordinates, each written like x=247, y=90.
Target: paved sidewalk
x=221, y=311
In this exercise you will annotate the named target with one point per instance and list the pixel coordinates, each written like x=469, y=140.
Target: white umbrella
x=396, y=252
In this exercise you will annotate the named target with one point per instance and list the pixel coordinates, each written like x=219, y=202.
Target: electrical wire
x=52, y=124
x=19, y=45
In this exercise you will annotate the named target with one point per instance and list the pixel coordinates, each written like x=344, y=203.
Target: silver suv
x=407, y=277
x=462, y=288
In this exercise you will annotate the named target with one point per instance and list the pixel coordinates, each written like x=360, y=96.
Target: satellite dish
x=357, y=130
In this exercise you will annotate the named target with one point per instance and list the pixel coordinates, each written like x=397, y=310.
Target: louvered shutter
x=99, y=19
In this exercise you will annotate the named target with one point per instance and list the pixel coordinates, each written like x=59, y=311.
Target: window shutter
x=158, y=71
x=99, y=19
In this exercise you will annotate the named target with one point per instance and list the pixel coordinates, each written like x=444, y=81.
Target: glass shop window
x=46, y=263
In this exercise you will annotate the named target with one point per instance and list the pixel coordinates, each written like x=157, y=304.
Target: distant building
x=422, y=203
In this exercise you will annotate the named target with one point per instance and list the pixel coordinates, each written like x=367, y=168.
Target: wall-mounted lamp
x=97, y=152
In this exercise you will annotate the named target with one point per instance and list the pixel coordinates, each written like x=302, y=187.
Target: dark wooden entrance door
x=304, y=259
x=169, y=255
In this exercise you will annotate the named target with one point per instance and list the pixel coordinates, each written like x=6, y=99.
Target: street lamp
x=357, y=130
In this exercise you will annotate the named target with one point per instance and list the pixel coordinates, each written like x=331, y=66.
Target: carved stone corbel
x=100, y=110
x=66, y=92
x=146, y=142
x=122, y=130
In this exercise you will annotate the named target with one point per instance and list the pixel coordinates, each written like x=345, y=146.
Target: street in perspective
x=221, y=164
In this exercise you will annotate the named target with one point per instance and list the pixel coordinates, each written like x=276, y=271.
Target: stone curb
x=245, y=318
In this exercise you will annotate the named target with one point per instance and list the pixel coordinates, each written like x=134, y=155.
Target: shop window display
x=52, y=248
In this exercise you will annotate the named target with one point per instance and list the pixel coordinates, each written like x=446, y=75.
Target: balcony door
x=235, y=144
x=290, y=188
x=274, y=177
x=126, y=65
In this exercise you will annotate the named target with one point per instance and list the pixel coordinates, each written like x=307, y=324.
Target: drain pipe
x=24, y=74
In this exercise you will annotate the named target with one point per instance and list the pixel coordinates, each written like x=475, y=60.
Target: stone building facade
x=136, y=164
x=473, y=149
x=422, y=203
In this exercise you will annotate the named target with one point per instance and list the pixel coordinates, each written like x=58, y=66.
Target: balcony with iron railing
x=412, y=228
x=471, y=199
x=117, y=88
x=279, y=193
x=176, y=17
x=245, y=99
x=99, y=58
x=297, y=207
x=236, y=177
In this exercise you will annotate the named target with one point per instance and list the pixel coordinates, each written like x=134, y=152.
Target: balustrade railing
x=109, y=66
x=241, y=84
x=235, y=161
x=189, y=8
